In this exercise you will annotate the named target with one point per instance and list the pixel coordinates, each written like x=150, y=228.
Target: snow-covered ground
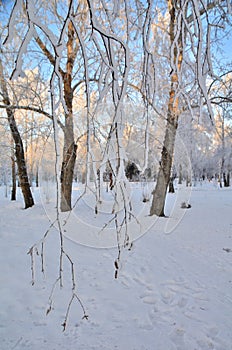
x=174, y=290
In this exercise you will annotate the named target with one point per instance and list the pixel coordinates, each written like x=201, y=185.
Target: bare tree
x=118, y=47
x=19, y=149
x=182, y=30
x=68, y=41
x=176, y=43
x=220, y=91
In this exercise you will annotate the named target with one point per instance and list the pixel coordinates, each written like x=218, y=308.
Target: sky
x=228, y=47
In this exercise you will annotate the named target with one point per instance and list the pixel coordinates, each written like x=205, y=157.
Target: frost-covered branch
x=114, y=154
x=33, y=109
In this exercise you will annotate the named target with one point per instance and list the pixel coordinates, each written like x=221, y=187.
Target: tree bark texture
x=160, y=191
x=70, y=147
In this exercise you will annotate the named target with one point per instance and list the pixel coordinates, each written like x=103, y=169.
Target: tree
x=220, y=91
x=176, y=43
x=132, y=171
x=106, y=60
x=13, y=172
x=66, y=76
x=67, y=38
x=183, y=27
x=115, y=52
x=5, y=163
x=19, y=149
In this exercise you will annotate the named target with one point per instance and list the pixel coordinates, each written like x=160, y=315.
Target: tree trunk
x=13, y=172
x=20, y=159
x=171, y=185
x=222, y=172
x=13, y=176
x=159, y=194
x=66, y=177
x=180, y=175
x=188, y=180
x=228, y=179
x=70, y=147
x=19, y=151
x=37, y=177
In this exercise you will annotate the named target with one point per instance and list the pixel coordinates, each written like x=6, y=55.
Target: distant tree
x=221, y=97
x=13, y=173
x=132, y=171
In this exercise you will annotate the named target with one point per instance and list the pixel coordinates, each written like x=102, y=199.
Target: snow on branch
x=195, y=32
x=18, y=5
x=114, y=154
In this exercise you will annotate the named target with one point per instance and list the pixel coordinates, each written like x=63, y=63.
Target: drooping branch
x=114, y=53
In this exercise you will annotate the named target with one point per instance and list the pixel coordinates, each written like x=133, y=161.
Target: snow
x=174, y=290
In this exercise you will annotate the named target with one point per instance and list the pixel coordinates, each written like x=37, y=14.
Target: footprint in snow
x=167, y=297
x=39, y=324
x=143, y=324
x=149, y=299
x=178, y=338
x=212, y=339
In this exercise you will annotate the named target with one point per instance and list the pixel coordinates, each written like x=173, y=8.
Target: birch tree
x=190, y=27
x=114, y=31
x=159, y=51
x=64, y=41
x=19, y=149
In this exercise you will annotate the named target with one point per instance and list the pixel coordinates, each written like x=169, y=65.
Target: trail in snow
x=174, y=290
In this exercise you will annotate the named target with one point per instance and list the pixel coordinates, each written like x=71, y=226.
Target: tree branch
x=48, y=54
x=33, y=109
x=204, y=9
